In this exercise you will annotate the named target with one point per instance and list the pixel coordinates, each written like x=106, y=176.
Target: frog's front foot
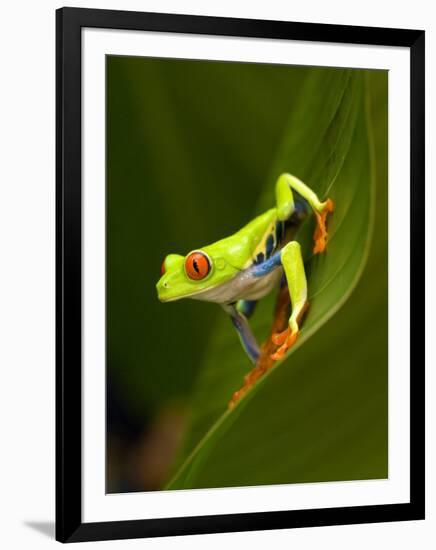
x=320, y=235
x=285, y=340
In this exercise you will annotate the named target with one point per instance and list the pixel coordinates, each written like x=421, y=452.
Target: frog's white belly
x=244, y=286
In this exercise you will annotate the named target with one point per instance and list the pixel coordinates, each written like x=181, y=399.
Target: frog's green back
x=240, y=249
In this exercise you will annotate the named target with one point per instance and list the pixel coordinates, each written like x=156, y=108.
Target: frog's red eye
x=197, y=265
x=162, y=268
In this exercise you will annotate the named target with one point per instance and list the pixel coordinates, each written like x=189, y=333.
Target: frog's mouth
x=165, y=297
x=165, y=293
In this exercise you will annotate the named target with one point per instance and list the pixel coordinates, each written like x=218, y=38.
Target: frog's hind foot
x=263, y=365
x=320, y=235
x=249, y=381
x=285, y=339
x=264, y=362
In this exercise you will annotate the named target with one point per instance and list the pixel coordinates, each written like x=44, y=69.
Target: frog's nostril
x=165, y=285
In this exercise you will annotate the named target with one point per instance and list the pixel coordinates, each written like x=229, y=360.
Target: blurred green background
x=193, y=151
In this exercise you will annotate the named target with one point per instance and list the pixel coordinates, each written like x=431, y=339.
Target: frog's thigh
x=292, y=261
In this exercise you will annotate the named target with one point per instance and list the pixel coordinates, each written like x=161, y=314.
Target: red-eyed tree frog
x=237, y=271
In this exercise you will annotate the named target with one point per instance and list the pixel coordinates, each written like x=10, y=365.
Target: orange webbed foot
x=320, y=235
x=285, y=340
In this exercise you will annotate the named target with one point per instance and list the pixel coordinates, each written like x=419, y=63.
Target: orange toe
x=279, y=337
x=320, y=235
x=285, y=340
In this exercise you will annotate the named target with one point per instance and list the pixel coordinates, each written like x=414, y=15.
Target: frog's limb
x=246, y=336
x=265, y=362
x=246, y=307
x=292, y=261
x=286, y=206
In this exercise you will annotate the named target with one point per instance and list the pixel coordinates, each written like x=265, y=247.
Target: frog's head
x=192, y=275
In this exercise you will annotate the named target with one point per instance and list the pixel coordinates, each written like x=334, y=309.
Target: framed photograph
x=240, y=274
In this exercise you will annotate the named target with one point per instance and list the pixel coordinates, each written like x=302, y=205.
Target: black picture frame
x=69, y=525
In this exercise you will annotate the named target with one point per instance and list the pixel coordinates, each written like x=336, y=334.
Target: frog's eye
x=197, y=265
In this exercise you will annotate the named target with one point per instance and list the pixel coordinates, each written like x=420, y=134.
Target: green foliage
x=321, y=414
x=194, y=149
x=189, y=148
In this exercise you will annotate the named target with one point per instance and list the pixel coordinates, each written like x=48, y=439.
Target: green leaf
x=188, y=142
x=321, y=414
x=189, y=147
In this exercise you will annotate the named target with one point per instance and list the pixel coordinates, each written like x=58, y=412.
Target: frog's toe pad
x=285, y=340
x=320, y=235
